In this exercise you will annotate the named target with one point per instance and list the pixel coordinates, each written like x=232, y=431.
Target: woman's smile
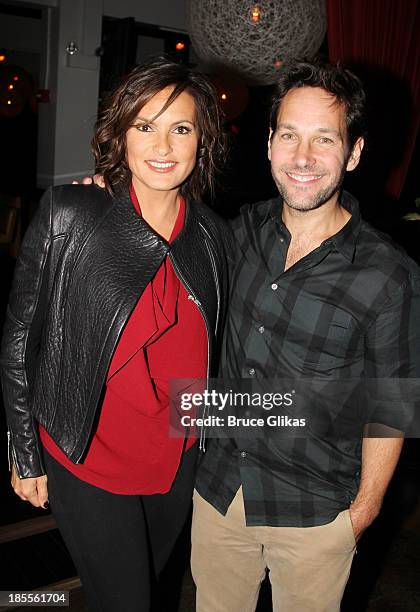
x=160, y=166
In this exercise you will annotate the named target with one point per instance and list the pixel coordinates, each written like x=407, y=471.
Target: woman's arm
x=20, y=345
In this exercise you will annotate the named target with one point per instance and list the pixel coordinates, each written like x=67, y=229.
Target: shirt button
x=261, y=329
x=274, y=286
x=251, y=371
x=243, y=454
x=281, y=239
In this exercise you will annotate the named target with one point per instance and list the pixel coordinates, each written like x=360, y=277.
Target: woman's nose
x=163, y=145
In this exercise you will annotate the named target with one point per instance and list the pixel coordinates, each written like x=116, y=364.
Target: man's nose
x=304, y=155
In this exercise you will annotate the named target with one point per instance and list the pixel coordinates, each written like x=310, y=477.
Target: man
x=316, y=292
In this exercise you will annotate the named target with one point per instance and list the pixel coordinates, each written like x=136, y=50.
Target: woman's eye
x=143, y=127
x=182, y=129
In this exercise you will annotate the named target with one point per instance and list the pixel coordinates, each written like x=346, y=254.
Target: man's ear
x=269, y=144
x=354, y=158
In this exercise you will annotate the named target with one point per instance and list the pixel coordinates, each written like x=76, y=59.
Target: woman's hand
x=33, y=490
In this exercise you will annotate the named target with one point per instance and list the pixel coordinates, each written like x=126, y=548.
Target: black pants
x=110, y=537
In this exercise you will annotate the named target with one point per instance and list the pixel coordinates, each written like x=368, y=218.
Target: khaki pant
x=308, y=567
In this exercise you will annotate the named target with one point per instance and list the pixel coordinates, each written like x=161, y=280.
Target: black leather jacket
x=85, y=261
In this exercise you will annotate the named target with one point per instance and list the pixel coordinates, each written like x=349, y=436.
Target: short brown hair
x=124, y=103
x=345, y=86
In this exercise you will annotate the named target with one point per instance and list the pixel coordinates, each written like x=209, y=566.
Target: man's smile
x=303, y=178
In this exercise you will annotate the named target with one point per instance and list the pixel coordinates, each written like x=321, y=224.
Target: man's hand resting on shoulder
x=88, y=180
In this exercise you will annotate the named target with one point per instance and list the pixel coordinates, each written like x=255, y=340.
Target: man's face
x=309, y=153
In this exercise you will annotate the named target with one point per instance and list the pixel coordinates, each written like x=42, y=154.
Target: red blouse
x=165, y=338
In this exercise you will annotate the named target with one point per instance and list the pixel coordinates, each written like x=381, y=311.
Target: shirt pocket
x=328, y=336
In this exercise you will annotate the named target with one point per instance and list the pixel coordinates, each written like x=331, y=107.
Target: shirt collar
x=344, y=241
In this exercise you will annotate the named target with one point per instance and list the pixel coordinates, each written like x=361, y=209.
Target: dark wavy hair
x=123, y=105
x=345, y=86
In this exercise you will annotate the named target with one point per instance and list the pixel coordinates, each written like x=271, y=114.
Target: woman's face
x=162, y=151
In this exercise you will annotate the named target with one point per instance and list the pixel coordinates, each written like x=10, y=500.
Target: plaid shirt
x=348, y=309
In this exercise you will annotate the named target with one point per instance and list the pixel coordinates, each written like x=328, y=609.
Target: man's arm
x=392, y=353
x=379, y=459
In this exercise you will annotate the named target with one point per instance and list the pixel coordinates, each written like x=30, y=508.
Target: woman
x=117, y=292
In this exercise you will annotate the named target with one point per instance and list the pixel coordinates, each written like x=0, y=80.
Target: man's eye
x=286, y=136
x=182, y=129
x=143, y=127
x=325, y=140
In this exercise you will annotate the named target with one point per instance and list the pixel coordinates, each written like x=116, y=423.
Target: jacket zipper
x=202, y=446
x=11, y=456
x=8, y=451
x=216, y=277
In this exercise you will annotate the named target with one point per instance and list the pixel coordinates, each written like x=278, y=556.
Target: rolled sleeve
x=393, y=363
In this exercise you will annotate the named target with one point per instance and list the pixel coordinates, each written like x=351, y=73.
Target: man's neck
x=320, y=223
x=309, y=229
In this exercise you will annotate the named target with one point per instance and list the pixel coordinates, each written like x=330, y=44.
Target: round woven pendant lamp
x=254, y=39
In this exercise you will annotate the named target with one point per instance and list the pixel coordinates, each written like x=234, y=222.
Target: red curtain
x=381, y=34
